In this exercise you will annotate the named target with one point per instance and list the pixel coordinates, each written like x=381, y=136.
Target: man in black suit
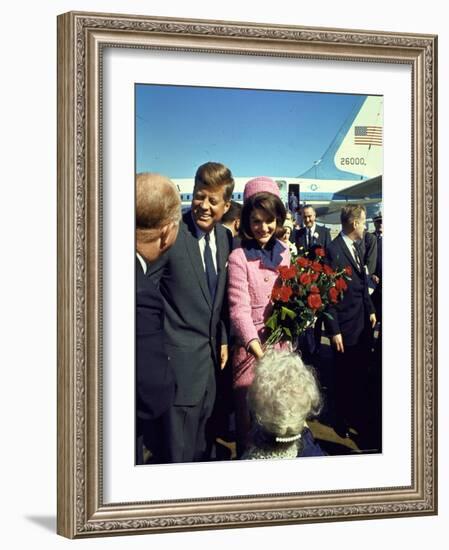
x=368, y=250
x=231, y=220
x=158, y=213
x=377, y=274
x=376, y=298
x=311, y=234
x=293, y=202
x=192, y=280
x=350, y=326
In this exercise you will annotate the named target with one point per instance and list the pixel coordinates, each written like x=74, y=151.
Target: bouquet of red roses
x=303, y=290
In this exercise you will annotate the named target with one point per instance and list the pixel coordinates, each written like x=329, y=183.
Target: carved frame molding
x=81, y=39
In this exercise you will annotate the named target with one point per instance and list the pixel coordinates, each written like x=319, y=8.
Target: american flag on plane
x=368, y=135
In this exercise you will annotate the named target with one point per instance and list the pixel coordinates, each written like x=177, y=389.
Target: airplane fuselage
x=315, y=192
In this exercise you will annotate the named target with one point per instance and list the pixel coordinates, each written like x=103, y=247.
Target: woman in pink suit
x=253, y=270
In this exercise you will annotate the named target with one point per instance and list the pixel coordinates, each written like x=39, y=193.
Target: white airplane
x=350, y=169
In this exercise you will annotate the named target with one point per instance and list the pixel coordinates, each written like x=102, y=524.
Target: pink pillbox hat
x=260, y=184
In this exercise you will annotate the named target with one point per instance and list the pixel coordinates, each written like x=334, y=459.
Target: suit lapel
x=347, y=253
x=319, y=230
x=138, y=265
x=139, y=269
x=302, y=238
x=193, y=250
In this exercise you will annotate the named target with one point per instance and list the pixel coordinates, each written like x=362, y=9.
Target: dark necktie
x=309, y=237
x=358, y=259
x=211, y=274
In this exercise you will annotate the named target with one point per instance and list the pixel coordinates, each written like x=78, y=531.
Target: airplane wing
x=363, y=189
x=330, y=213
x=368, y=192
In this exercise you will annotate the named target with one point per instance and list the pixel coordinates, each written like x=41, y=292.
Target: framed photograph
x=110, y=68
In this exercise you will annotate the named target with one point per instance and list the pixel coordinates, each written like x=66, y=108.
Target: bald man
x=158, y=213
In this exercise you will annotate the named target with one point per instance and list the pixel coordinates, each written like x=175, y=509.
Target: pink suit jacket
x=249, y=291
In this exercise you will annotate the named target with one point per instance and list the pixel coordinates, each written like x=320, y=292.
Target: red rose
x=291, y=272
x=316, y=266
x=340, y=284
x=276, y=293
x=314, y=301
x=314, y=277
x=281, y=270
x=305, y=279
x=314, y=289
x=333, y=295
x=348, y=270
x=320, y=252
x=328, y=270
x=303, y=262
x=286, y=292
x=287, y=272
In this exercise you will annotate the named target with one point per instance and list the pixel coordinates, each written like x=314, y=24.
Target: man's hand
x=373, y=320
x=337, y=341
x=224, y=354
x=375, y=279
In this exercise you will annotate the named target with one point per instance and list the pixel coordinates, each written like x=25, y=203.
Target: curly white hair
x=284, y=393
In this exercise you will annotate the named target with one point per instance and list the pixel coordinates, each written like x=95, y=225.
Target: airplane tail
x=356, y=151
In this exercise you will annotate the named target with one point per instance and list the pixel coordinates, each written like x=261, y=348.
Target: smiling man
x=192, y=280
x=312, y=234
x=308, y=238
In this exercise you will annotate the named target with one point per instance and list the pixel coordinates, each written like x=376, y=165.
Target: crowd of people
x=204, y=282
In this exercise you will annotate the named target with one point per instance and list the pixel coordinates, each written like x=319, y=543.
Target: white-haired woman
x=283, y=395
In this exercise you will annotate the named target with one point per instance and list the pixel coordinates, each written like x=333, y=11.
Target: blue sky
x=253, y=132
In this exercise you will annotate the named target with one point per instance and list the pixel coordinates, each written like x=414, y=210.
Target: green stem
x=274, y=337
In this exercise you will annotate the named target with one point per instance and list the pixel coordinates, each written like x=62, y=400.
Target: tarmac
x=322, y=429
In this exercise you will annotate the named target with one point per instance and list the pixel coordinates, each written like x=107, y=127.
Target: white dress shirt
x=312, y=235
x=143, y=263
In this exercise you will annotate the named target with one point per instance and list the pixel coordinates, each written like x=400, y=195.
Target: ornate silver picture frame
x=83, y=39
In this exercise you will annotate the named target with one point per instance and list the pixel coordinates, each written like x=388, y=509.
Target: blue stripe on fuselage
x=304, y=196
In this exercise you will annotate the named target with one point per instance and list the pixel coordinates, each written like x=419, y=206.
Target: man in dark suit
x=350, y=325
x=192, y=280
x=377, y=274
x=231, y=220
x=293, y=202
x=158, y=212
x=376, y=298
x=311, y=234
x=368, y=251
